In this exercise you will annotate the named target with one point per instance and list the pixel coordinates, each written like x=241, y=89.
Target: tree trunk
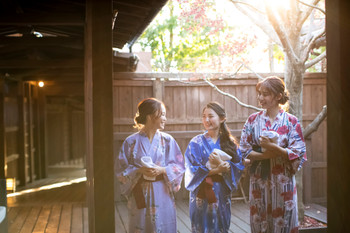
x=293, y=77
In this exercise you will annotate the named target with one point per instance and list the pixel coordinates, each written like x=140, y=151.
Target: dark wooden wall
x=184, y=102
x=23, y=153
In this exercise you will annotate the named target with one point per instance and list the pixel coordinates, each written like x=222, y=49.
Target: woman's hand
x=266, y=142
x=215, y=159
x=151, y=172
x=224, y=167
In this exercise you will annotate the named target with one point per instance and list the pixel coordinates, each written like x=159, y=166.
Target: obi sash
x=138, y=194
x=206, y=188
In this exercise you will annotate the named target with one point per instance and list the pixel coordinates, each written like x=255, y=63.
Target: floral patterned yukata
x=159, y=214
x=205, y=216
x=273, y=194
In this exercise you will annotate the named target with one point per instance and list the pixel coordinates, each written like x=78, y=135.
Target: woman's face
x=267, y=99
x=211, y=120
x=156, y=122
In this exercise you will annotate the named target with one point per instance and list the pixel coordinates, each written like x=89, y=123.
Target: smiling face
x=157, y=120
x=211, y=120
x=267, y=99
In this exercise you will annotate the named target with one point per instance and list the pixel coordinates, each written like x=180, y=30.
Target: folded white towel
x=2, y=213
x=222, y=155
x=271, y=135
x=146, y=161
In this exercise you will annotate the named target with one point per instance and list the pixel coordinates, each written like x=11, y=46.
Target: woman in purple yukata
x=150, y=169
x=210, y=189
x=273, y=194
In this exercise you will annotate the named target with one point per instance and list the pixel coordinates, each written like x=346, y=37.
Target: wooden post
x=42, y=133
x=3, y=153
x=99, y=116
x=338, y=123
x=22, y=166
x=158, y=89
x=30, y=122
x=3, y=199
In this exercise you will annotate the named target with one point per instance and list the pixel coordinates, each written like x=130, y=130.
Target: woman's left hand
x=265, y=142
x=159, y=170
x=215, y=159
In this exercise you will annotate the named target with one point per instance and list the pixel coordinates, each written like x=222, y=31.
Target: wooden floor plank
x=41, y=223
x=16, y=225
x=66, y=218
x=12, y=214
x=183, y=220
x=54, y=219
x=317, y=212
x=31, y=220
x=77, y=218
x=86, y=219
x=123, y=212
x=119, y=225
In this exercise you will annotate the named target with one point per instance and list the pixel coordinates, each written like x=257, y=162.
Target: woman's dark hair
x=227, y=141
x=276, y=86
x=149, y=106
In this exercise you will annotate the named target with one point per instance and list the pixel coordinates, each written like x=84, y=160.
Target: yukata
x=273, y=193
x=209, y=214
x=158, y=212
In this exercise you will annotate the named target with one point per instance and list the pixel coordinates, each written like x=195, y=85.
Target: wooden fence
x=185, y=99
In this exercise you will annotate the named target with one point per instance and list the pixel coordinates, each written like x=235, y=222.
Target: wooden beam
x=54, y=19
x=42, y=41
x=99, y=116
x=25, y=64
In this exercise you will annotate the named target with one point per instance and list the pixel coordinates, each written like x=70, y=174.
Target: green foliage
x=188, y=36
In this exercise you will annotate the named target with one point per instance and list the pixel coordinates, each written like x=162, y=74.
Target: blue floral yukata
x=209, y=214
x=157, y=213
x=273, y=193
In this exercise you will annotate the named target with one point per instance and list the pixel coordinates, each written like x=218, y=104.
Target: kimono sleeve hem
x=197, y=179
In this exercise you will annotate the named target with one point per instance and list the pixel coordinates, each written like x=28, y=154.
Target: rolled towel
x=272, y=135
x=146, y=161
x=223, y=156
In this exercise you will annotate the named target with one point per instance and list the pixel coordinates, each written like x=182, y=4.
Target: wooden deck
x=63, y=210
x=239, y=217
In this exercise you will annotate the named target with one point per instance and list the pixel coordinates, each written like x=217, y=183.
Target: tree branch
x=260, y=22
x=315, y=60
x=232, y=96
x=313, y=126
x=307, y=13
x=247, y=4
x=313, y=6
x=282, y=35
x=312, y=44
x=247, y=67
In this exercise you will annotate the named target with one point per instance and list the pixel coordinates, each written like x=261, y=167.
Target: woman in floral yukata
x=210, y=190
x=150, y=168
x=273, y=194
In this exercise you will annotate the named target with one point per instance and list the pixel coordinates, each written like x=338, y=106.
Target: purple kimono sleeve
x=125, y=171
x=195, y=170
x=175, y=167
x=232, y=177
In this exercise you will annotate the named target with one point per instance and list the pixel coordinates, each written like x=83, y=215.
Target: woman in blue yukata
x=150, y=167
x=273, y=163
x=210, y=177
